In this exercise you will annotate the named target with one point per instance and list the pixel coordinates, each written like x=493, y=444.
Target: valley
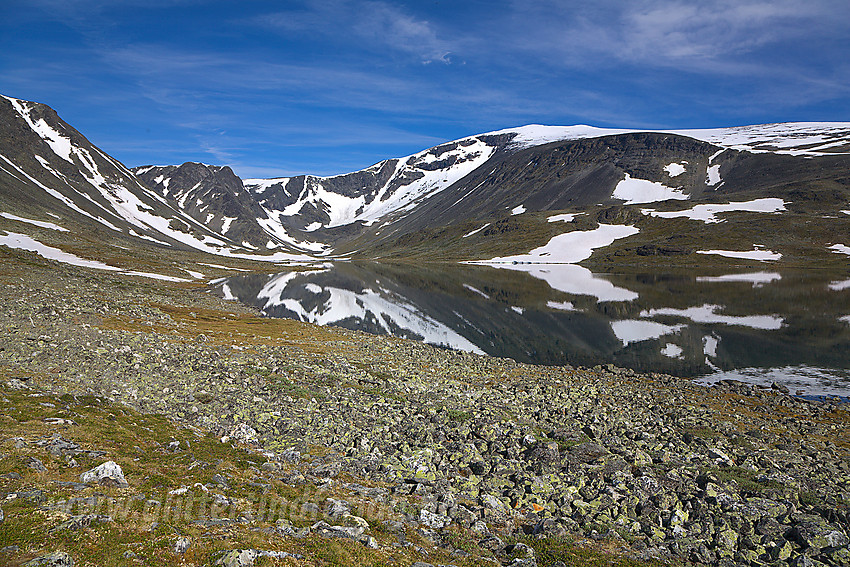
x=487, y=357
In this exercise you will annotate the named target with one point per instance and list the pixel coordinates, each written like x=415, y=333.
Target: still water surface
x=760, y=326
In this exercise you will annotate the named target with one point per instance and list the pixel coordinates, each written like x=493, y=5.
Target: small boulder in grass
x=107, y=474
x=55, y=559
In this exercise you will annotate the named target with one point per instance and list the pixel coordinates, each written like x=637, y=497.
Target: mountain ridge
x=479, y=197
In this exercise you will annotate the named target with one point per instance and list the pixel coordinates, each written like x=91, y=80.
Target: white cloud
x=688, y=35
x=379, y=24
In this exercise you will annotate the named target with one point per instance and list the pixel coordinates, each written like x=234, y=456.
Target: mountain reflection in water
x=759, y=327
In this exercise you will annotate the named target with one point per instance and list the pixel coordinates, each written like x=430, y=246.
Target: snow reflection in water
x=789, y=328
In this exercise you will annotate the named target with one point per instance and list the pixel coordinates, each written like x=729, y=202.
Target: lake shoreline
x=496, y=450
x=760, y=327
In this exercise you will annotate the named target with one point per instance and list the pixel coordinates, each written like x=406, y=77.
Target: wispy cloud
x=327, y=86
x=370, y=24
x=674, y=33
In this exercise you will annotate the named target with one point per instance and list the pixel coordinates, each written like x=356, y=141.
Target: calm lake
x=760, y=327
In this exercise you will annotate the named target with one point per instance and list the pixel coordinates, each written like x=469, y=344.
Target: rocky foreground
x=400, y=451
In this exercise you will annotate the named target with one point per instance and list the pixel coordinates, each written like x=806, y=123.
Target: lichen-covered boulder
x=108, y=473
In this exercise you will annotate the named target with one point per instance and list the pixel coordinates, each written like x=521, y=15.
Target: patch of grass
x=373, y=391
x=466, y=541
x=458, y=416
x=745, y=478
x=549, y=550
x=810, y=498
x=701, y=432
x=286, y=386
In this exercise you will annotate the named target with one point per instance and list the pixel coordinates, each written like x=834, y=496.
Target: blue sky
x=324, y=87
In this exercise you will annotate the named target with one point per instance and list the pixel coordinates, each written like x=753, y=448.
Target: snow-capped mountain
x=531, y=168
x=49, y=169
x=484, y=196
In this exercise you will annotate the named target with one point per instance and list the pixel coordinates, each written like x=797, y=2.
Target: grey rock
x=59, y=421
x=586, y=452
x=290, y=456
x=34, y=496
x=337, y=508
x=243, y=433
x=16, y=384
x=720, y=457
x=70, y=484
x=432, y=520
x=79, y=522
x=55, y=559
x=802, y=561
x=369, y=542
x=814, y=532
x=238, y=558
x=492, y=542
x=213, y=522
x=181, y=545
x=326, y=530
x=59, y=447
x=520, y=549
x=36, y=465
x=108, y=474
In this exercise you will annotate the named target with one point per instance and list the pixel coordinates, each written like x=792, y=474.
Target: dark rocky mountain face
x=566, y=175
x=213, y=196
x=49, y=170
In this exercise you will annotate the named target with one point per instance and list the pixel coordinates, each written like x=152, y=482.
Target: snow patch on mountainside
x=566, y=217
x=23, y=242
x=41, y=224
x=570, y=247
x=634, y=191
x=712, y=175
x=468, y=156
x=561, y=305
x=792, y=138
x=260, y=186
x=708, y=213
x=56, y=194
x=475, y=290
x=275, y=228
x=840, y=249
x=414, y=178
x=675, y=169
x=536, y=134
x=476, y=231
x=156, y=276
x=61, y=145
